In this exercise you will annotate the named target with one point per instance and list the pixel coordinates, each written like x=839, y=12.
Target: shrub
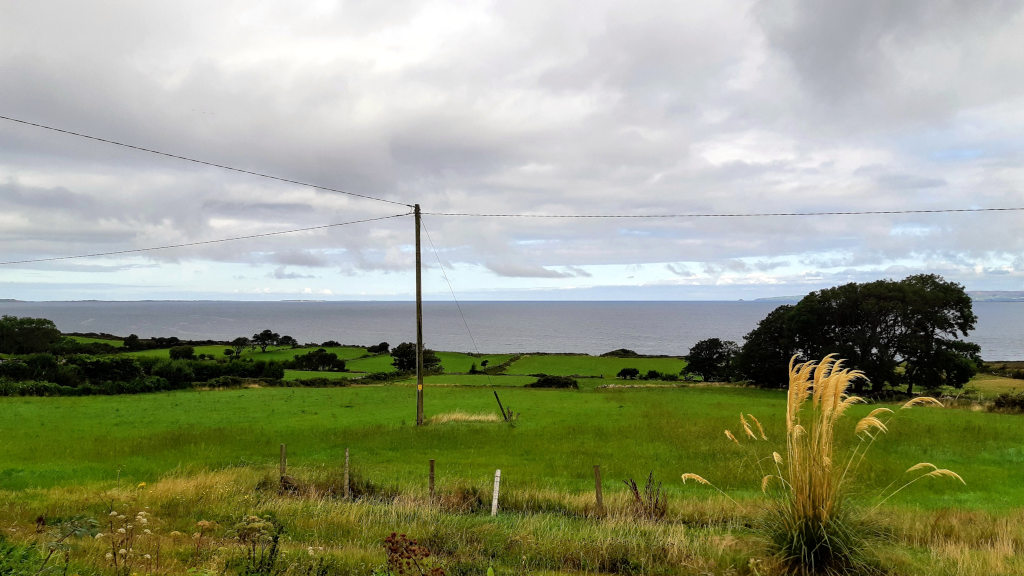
x=545, y=381
x=319, y=360
x=1009, y=402
x=183, y=353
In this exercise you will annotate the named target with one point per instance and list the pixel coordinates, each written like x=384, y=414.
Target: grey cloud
x=887, y=179
x=280, y=273
x=679, y=270
x=517, y=270
x=299, y=258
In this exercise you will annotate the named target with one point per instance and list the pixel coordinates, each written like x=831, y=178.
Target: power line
x=455, y=298
x=203, y=162
x=726, y=215
x=248, y=237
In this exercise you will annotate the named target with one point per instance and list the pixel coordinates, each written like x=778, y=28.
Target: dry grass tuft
x=462, y=417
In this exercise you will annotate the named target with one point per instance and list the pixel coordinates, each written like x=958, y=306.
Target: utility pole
x=419, y=323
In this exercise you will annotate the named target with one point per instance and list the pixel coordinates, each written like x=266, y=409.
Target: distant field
x=992, y=385
x=591, y=366
x=90, y=340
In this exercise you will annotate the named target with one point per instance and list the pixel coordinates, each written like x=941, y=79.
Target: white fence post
x=494, y=499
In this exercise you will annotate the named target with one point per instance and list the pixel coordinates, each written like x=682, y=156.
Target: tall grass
x=812, y=524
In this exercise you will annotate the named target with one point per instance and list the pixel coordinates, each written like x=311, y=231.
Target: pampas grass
x=811, y=524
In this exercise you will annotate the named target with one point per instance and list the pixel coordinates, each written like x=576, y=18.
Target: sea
x=657, y=328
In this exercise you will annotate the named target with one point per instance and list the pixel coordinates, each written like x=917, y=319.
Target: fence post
x=494, y=499
x=431, y=480
x=597, y=490
x=346, y=475
x=284, y=460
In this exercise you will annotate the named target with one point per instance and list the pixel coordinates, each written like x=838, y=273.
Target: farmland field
x=212, y=456
x=203, y=454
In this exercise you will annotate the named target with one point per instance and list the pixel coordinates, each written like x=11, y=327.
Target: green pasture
x=298, y=375
x=991, y=385
x=91, y=340
x=591, y=366
x=558, y=438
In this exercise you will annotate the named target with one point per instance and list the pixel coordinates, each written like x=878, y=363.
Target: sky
x=526, y=108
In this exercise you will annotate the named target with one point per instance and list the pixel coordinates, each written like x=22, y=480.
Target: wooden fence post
x=597, y=490
x=431, y=480
x=346, y=475
x=494, y=499
x=284, y=460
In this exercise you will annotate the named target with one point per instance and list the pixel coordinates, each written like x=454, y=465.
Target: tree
x=381, y=348
x=403, y=358
x=897, y=332
x=287, y=341
x=131, y=342
x=767, y=349
x=27, y=335
x=628, y=374
x=713, y=359
x=238, y=345
x=265, y=339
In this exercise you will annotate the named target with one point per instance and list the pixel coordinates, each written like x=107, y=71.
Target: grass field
x=203, y=454
x=213, y=455
x=628, y=432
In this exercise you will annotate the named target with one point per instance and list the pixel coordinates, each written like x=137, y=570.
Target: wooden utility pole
x=419, y=323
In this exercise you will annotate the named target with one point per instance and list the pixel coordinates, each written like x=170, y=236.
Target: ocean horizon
x=589, y=327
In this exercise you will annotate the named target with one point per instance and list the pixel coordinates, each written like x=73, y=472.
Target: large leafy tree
x=903, y=332
x=712, y=359
x=403, y=358
x=265, y=339
x=27, y=335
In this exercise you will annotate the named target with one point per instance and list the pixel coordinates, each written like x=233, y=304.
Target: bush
x=319, y=360
x=183, y=353
x=545, y=381
x=1009, y=402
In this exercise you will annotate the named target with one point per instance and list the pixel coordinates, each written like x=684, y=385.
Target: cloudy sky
x=525, y=108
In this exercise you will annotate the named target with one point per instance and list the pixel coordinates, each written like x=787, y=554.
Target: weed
x=131, y=542
x=405, y=555
x=57, y=537
x=261, y=539
x=649, y=504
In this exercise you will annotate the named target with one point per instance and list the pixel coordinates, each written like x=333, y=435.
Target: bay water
x=669, y=328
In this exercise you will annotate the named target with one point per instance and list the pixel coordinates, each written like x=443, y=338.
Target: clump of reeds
x=811, y=524
x=650, y=503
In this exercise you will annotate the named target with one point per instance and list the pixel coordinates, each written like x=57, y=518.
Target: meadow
x=196, y=456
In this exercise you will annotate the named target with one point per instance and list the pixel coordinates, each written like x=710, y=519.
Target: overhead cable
x=203, y=162
x=726, y=215
x=187, y=244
